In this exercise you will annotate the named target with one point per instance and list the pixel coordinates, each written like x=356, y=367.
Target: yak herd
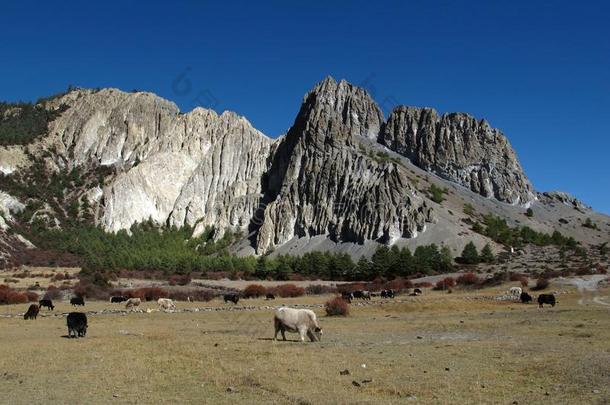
x=302, y=321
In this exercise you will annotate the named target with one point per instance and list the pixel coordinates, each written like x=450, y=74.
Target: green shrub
x=590, y=224
x=470, y=255
x=487, y=255
x=436, y=193
x=22, y=123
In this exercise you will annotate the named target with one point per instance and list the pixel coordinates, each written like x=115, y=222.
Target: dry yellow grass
x=437, y=349
x=36, y=276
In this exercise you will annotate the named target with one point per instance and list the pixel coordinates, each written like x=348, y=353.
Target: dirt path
x=588, y=287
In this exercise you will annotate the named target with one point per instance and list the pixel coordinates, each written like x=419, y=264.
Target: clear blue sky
x=538, y=70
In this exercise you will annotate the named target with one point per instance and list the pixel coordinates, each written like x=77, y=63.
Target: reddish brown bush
x=424, y=284
x=194, y=295
x=87, y=289
x=468, y=279
x=32, y=296
x=254, y=291
x=336, y=307
x=134, y=294
x=52, y=293
x=287, y=290
x=398, y=284
x=444, y=284
x=349, y=287
x=10, y=296
x=14, y=297
x=541, y=284
x=318, y=289
x=153, y=293
x=180, y=279
x=492, y=280
x=58, y=277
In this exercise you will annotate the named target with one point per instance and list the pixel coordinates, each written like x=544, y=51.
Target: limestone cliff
x=197, y=168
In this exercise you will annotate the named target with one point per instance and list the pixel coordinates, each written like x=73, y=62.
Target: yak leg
x=303, y=332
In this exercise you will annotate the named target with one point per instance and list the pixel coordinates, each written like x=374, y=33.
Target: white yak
x=303, y=321
x=166, y=304
x=133, y=302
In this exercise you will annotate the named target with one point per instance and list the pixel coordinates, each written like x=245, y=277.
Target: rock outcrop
x=554, y=197
x=197, y=168
x=461, y=149
x=321, y=183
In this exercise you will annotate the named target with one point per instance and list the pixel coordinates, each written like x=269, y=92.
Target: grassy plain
x=435, y=349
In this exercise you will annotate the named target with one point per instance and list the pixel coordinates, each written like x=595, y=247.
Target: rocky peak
x=459, y=148
x=335, y=112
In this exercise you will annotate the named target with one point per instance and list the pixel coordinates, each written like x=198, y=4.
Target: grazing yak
x=347, y=296
x=387, y=293
x=118, y=298
x=515, y=292
x=77, y=301
x=525, y=298
x=417, y=291
x=302, y=321
x=166, y=304
x=234, y=298
x=77, y=324
x=46, y=303
x=270, y=296
x=133, y=302
x=32, y=312
x=546, y=299
x=362, y=295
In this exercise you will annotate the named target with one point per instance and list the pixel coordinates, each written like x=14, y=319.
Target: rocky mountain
x=342, y=174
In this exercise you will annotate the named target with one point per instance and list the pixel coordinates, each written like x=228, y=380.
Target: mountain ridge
x=342, y=171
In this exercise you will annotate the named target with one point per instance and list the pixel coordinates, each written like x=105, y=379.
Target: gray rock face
x=459, y=148
x=553, y=197
x=321, y=183
x=175, y=168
